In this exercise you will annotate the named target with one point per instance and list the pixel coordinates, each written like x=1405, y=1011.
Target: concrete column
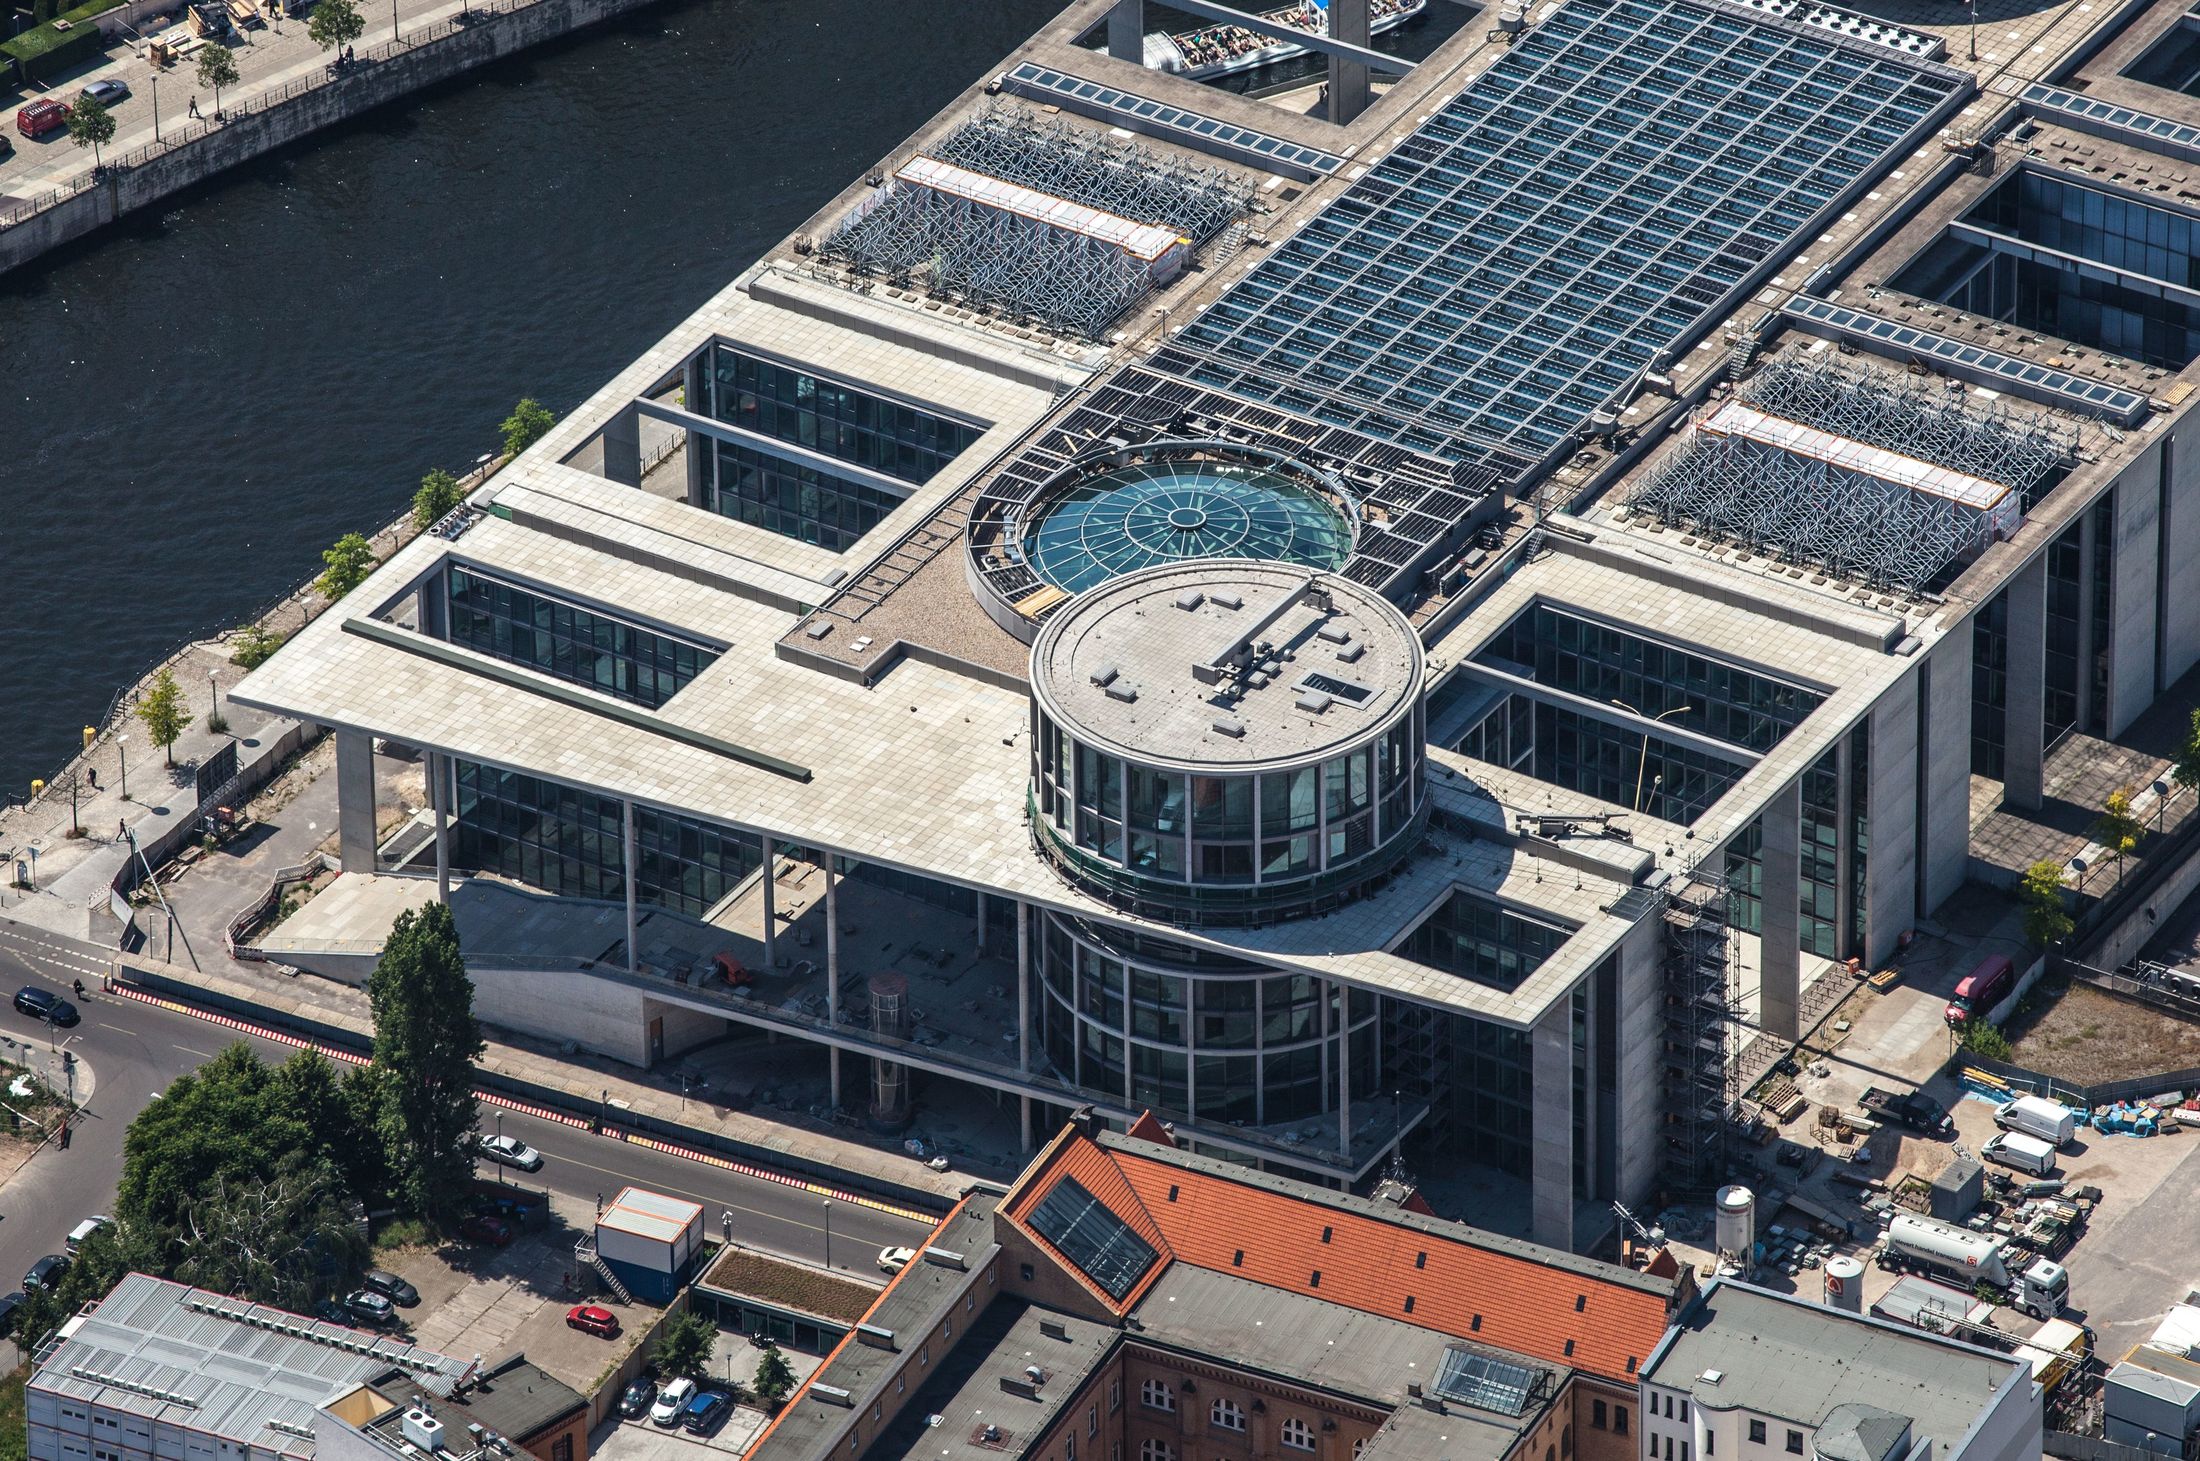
x=1891, y=810
x=622, y=448
x=771, y=908
x=1348, y=22
x=355, y=800
x=1343, y=997
x=1127, y=31
x=832, y=959
x=701, y=451
x=1023, y=988
x=1551, y=1152
x=2091, y=635
x=1845, y=891
x=2024, y=749
x=630, y=854
x=435, y=591
x=1780, y=959
x=2132, y=582
x=439, y=797
x=2178, y=551
x=1944, y=760
x=1637, y=1144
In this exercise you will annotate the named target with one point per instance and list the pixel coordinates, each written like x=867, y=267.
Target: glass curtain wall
x=585, y=646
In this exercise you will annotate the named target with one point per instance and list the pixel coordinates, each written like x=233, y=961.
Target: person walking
x=194, y=108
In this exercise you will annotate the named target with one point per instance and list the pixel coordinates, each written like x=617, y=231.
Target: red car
x=41, y=117
x=482, y=1229
x=591, y=1320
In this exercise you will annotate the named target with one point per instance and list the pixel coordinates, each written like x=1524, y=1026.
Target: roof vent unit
x=1227, y=726
x=1105, y=675
x=876, y=1336
x=422, y=1429
x=1035, y=1374
x=948, y=1257
x=1227, y=600
x=1511, y=20
x=1313, y=702
x=819, y=628
x=474, y=1433
x=1121, y=690
x=1190, y=599
x=1335, y=633
x=1351, y=653
x=832, y=1395
x=1024, y=1389
x=1053, y=1329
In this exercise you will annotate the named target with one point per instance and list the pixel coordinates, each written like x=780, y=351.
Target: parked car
x=41, y=118
x=9, y=1304
x=510, y=1151
x=2015, y=1150
x=1980, y=990
x=107, y=91
x=496, y=1232
x=332, y=1311
x=390, y=1287
x=894, y=1260
x=82, y=1232
x=369, y=1307
x=672, y=1403
x=40, y=1004
x=706, y=1412
x=636, y=1398
x=590, y=1319
x=45, y=1271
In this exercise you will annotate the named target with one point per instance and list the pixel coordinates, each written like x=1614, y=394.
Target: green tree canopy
x=526, y=425
x=684, y=1345
x=278, y=1239
x=335, y=24
x=217, y=69
x=254, y=645
x=774, y=1376
x=162, y=710
x=2186, y=769
x=91, y=125
x=425, y=1043
x=439, y=493
x=350, y=559
x=2119, y=828
x=2046, y=916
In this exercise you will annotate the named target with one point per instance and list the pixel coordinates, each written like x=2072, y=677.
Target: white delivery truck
x=2050, y=1121
x=2020, y=1153
x=1927, y=1245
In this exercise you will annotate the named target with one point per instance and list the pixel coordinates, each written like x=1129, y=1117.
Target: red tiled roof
x=1488, y=1292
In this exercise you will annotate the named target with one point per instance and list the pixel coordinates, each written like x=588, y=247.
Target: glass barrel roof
x=1620, y=175
x=1112, y=522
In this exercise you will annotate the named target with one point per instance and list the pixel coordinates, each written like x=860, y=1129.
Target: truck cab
x=2042, y=1289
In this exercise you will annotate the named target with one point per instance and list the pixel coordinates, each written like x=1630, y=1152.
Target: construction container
x=650, y=1242
x=2152, y=1400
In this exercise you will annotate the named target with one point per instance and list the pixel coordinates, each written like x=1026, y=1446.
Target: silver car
x=510, y=1151
x=106, y=92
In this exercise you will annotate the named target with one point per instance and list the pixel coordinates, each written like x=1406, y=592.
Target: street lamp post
x=500, y=1145
x=828, y=1232
x=214, y=690
x=1643, y=763
x=122, y=749
x=1974, y=29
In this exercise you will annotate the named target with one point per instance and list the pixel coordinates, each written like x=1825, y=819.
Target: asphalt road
x=134, y=1050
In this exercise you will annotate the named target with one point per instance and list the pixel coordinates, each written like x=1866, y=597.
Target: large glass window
x=570, y=842
x=787, y=404
x=1483, y=940
x=1989, y=686
x=586, y=646
x=796, y=500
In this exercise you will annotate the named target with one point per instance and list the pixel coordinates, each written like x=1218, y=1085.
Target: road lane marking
x=490, y=1098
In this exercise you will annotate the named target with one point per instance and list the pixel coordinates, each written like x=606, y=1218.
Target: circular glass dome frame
x=1119, y=510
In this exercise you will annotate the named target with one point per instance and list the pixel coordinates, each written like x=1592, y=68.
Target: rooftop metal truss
x=1109, y=173
x=1024, y=267
x=1830, y=509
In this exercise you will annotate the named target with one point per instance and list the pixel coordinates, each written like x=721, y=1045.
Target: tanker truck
x=1925, y=1245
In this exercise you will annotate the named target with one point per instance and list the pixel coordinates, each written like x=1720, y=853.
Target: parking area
x=733, y=1363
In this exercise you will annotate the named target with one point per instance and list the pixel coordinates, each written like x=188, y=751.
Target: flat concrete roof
x=1155, y=665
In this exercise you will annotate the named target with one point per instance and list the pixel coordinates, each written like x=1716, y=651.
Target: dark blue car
x=707, y=1411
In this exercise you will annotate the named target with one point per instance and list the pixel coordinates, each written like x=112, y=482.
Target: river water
x=195, y=403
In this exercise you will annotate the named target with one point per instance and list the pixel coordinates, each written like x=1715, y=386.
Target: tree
x=217, y=69
x=283, y=1239
x=91, y=125
x=335, y=24
x=2046, y=918
x=2185, y=771
x=1981, y=1038
x=350, y=559
x=254, y=645
x=684, y=1345
x=162, y=709
x=526, y=425
x=425, y=1043
x=438, y=496
x=2119, y=828
x=213, y=1124
x=774, y=1376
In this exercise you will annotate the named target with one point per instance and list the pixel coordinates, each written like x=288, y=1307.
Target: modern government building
x=1390, y=636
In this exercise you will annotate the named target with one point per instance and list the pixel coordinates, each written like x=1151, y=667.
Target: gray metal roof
x=1798, y=1361
x=199, y=1360
x=965, y=1386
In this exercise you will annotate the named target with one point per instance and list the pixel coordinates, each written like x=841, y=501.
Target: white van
x=2021, y=1153
x=2050, y=1121
x=82, y=1232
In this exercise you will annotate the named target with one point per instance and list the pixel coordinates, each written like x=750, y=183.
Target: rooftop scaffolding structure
x=1874, y=478
x=1109, y=173
x=1702, y=1016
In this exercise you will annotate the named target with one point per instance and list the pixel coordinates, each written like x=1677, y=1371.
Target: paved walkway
x=269, y=56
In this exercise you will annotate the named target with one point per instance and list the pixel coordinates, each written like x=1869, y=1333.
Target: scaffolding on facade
x=1036, y=222
x=1885, y=480
x=1110, y=173
x=1702, y=1009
